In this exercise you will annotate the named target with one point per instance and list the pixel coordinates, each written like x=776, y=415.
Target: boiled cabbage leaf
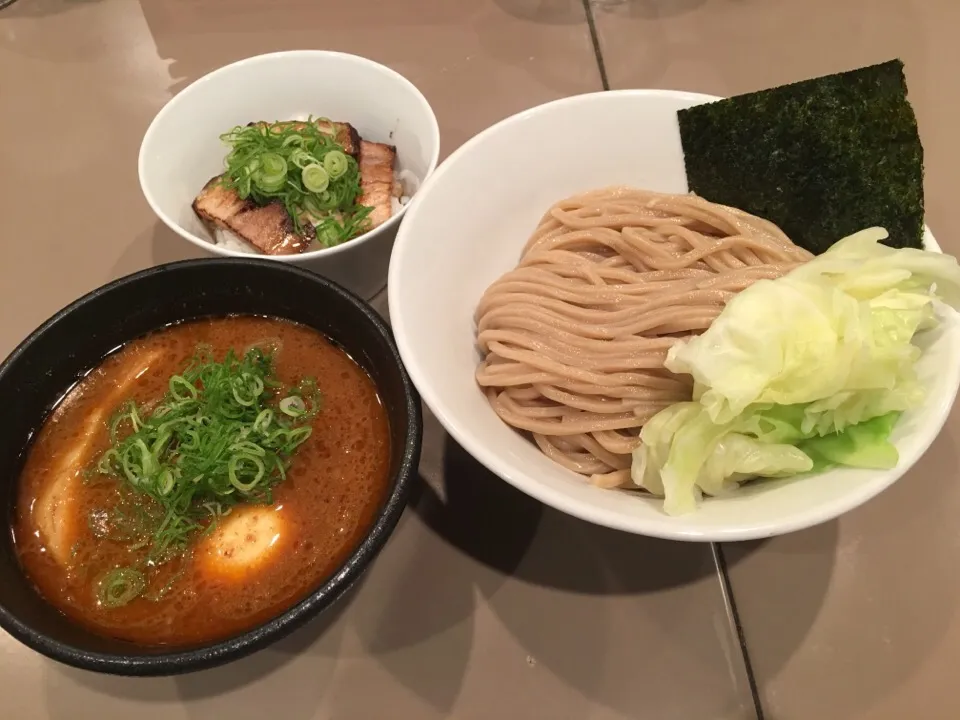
x=799, y=374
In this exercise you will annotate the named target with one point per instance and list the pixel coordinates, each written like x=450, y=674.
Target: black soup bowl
x=76, y=339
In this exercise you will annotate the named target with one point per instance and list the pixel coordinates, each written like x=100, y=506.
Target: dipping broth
x=76, y=524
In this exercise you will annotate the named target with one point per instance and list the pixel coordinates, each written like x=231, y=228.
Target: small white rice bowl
x=181, y=149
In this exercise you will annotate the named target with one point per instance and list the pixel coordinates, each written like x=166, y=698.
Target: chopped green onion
x=118, y=587
x=272, y=173
x=165, y=484
x=295, y=437
x=294, y=406
x=322, y=204
x=335, y=163
x=106, y=460
x=315, y=178
x=223, y=434
x=302, y=166
x=161, y=442
x=301, y=158
x=189, y=440
x=246, y=389
x=328, y=235
x=248, y=447
x=180, y=389
x=235, y=470
x=263, y=421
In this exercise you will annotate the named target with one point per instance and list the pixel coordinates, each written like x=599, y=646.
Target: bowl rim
x=198, y=85
x=183, y=660
x=549, y=496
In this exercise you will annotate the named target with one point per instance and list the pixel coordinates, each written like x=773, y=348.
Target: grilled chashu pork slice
x=268, y=228
x=378, y=183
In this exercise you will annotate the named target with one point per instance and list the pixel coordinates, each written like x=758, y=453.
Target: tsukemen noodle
x=575, y=337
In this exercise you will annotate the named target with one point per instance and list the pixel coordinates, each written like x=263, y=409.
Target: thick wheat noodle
x=575, y=336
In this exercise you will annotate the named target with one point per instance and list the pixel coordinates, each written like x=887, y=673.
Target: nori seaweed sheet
x=821, y=158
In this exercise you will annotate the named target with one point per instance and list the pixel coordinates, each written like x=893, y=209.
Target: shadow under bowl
x=38, y=372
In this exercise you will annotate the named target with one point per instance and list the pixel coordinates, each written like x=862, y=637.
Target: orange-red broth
x=336, y=483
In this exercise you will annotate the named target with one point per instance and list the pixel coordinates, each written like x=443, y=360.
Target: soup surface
x=239, y=568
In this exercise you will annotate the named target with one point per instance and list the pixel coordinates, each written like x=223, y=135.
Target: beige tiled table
x=544, y=617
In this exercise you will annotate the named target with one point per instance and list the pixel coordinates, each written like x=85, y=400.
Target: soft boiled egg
x=243, y=542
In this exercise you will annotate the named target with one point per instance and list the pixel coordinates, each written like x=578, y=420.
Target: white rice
x=409, y=183
x=228, y=241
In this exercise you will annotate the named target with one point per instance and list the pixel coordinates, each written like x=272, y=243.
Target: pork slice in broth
x=55, y=509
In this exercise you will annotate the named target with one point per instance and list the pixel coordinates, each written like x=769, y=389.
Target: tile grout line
x=595, y=39
x=726, y=587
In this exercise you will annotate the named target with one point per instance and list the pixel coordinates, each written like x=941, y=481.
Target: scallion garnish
x=315, y=178
x=302, y=166
x=120, y=586
x=335, y=163
x=223, y=434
